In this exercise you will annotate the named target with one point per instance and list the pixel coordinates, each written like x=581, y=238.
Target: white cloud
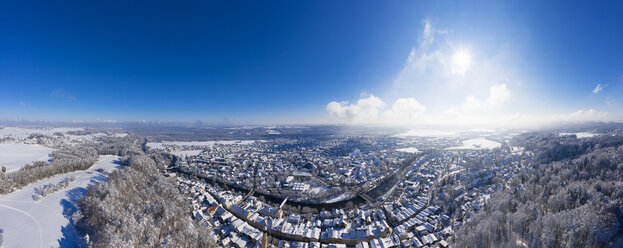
x=474, y=112
x=585, y=115
x=460, y=62
x=498, y=95
x=62, y=94
x=407, y=110
x=372, y=110
x=598, y=88
x=427, y=35
x=447, y=84
x=366, y=110
x=441, y=72
x=411, y=55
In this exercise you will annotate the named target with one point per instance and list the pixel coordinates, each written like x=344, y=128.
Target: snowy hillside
x=14, y=155
x=44, y=223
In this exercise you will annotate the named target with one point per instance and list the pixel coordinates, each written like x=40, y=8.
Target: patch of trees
x=64, y=160
x=40, y=138
x=575, y=201
x=550, y=147
x=119, y=146
x=138, y=207
x=69, y=159
x=50, y=188
x=35, y=164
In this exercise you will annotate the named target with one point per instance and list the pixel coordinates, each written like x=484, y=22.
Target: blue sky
x=406, y=62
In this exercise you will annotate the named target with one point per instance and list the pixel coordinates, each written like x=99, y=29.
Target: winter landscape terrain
x=29, y=220
x=311, y=124
x=313, y=186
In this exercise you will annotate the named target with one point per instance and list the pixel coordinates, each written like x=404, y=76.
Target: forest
x=68, y=159
x=571, y=197
x=138, y=207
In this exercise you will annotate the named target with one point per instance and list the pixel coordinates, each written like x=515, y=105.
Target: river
x=374, y=193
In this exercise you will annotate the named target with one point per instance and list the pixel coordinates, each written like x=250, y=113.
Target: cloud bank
x=447, y=83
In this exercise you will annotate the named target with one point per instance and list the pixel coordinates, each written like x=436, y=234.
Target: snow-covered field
x=16, y=155
x=271, y=131
x=44, y=223
x=409, y=150
x=23, y=133
x=580, y=134
x=316, y=190
x=161, y=145
x=476, y=144
x=186, y=153
x=87, y=137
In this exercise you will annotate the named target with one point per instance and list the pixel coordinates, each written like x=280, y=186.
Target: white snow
x=271, y=131
x=161, y=145
x=580, y=134
x=120, y=135
x=16, y=155
x=476, y=144
x=44, y=223
x=517, y=149
x=425, y=133
x=87, y=137
x=186, y=153
x=340, y=197
x=409, y=150
x=23, y=133
x=317, y=189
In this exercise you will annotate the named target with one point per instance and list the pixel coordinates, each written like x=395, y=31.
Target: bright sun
x=461, y=60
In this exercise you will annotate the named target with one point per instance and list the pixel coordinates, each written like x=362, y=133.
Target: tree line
x=571, y=197
x=138, y=207
x=69, y=159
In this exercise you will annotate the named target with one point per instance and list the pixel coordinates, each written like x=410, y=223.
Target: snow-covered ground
x=580, y=134
x=341, y=197
x=16, y=155
x=161, y=145
x=409, y=150
x=271, y=131
x=316, y=190
x=476, y=144
x=44, y=223
x=87, y=137
x=120, y=135
x=186, y=153
x=23, y=133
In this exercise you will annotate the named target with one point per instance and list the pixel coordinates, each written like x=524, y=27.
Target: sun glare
x=461, y=60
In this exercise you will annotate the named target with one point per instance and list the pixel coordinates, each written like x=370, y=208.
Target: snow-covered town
x=261, y=189
x=342, y=192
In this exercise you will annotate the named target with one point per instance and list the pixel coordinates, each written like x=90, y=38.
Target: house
x=240, y=211
x=362, y=245
x=446, y=232
x=421, y=229
x=272, y=212
x=429, y=239
x=443, y=244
